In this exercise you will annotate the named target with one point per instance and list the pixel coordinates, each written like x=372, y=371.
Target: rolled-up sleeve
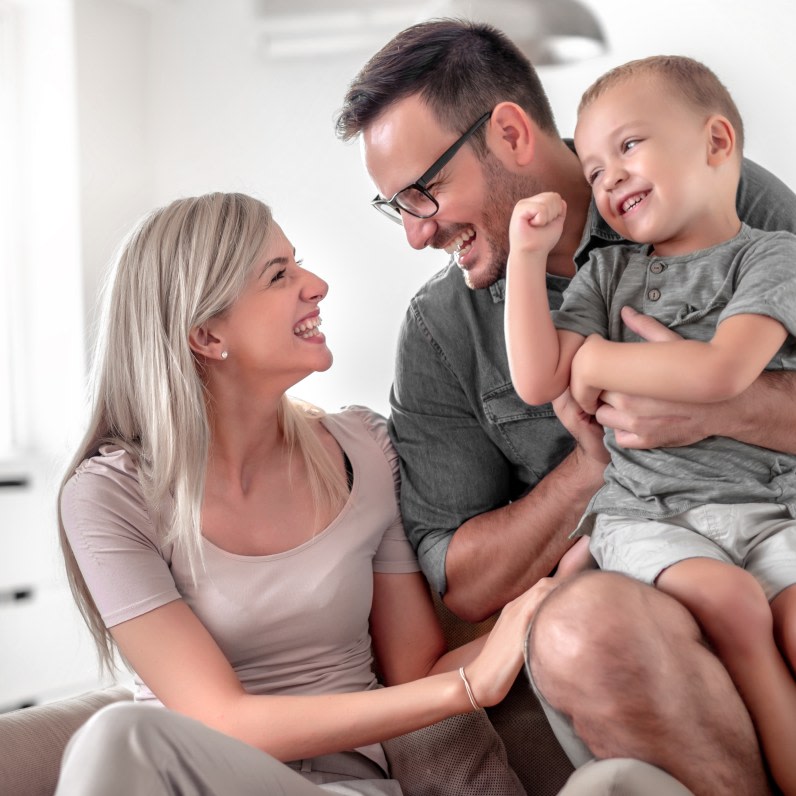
x=450, y=469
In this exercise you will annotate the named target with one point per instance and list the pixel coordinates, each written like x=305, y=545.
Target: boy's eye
x=630, y=144
x=592, y=177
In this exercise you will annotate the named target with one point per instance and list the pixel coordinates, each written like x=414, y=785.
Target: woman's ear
x=205, y=343
x=511, y=135
x=721, y=140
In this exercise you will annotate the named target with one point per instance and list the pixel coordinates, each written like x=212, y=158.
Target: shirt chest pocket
x=531, y=437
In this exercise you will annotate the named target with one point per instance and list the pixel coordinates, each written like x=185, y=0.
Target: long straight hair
x=180, y=266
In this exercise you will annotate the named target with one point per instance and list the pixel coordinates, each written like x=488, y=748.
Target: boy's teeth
x=632, y=202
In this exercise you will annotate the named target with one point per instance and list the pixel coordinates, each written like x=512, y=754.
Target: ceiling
x=550, y=31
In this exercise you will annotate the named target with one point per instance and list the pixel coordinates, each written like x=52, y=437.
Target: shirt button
x=654, y=294
x=657, y=268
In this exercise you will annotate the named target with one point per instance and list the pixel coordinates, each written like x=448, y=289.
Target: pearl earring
x=224, y=354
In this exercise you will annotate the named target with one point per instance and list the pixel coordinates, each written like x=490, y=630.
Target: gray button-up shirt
x=468, y=444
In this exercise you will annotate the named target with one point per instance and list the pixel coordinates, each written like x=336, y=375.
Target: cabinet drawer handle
x=16, y=595
x=14, y=483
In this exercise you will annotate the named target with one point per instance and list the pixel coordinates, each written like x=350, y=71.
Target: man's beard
x=503, y=191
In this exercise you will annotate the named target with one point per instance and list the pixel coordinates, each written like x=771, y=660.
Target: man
x=491, y=487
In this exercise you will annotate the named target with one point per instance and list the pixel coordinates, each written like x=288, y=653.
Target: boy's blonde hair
x=691, y=80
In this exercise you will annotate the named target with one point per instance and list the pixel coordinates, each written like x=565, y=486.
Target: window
x=11, y=403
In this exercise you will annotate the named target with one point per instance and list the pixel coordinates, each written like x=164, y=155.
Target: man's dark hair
x=461, y=69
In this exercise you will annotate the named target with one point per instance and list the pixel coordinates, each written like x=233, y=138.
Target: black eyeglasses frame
x=393, y=209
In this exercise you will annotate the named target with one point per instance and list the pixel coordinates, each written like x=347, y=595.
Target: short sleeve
x=766, y=280
x=394, y=554
x=112, y=538
x=583, y=309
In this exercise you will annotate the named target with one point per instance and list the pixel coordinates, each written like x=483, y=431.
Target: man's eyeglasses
x=415, y=198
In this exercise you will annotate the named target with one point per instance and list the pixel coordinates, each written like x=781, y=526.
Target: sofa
x=32, y=739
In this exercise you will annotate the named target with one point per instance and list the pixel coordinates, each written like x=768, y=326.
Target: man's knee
x=606, y=632
x=622, y=777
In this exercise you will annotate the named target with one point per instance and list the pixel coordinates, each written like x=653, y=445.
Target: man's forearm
x=497, y=555
x=764, y=414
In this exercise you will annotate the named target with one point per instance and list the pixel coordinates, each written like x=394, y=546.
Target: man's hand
x=585, y=428
x=646, y=422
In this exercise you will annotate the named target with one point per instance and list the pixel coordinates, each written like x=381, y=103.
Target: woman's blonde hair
x=180, y=266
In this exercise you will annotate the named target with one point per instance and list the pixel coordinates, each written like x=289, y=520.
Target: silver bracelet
x=469, y=690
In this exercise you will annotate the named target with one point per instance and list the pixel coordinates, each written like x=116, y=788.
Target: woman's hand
x=492, y=673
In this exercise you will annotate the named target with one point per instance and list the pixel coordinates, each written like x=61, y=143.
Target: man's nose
x=419, y=231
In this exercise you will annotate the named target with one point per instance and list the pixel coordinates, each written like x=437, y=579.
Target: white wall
x=177, y=101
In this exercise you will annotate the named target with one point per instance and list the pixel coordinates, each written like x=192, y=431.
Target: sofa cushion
x=32, y=740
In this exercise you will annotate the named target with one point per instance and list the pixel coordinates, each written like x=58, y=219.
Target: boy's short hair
x=692, y=80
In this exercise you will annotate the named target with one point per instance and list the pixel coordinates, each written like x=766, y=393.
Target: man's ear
x=721, y=140
x=511, y=135
x=205, y=342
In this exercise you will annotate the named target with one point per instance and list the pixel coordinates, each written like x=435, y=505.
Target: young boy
x=712, y=524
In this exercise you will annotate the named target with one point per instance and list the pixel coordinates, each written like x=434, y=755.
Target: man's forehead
x=401, y=143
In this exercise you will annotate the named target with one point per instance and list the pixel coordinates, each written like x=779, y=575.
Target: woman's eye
x=277, y=276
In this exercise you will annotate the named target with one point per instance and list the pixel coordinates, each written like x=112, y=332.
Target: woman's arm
x=177, y=658
x=679, y=370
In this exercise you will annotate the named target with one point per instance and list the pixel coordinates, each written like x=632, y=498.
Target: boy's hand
x=536, y=223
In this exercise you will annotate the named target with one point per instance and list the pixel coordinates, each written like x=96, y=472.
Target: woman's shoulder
x=361, y=421
x=366, y=428
x=106, y=482
x=111, y=464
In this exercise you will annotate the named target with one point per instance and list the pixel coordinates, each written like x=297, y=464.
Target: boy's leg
x=734, y=613
x=628, y=666
x=783, y=608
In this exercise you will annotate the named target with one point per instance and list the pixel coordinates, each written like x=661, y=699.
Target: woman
x=244, y=552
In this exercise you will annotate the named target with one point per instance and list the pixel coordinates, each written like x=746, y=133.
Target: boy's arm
x=539, y=356
x=679, y=370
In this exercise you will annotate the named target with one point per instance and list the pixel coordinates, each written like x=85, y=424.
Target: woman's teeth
x=462, y=243
x=308, y=328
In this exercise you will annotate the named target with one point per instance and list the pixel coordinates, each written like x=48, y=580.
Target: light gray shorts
x=759, y=537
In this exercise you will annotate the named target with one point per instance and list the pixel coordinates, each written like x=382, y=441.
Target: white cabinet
x=46, y=651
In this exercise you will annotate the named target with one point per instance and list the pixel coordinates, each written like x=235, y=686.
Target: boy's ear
x=721, y=140
x=204, y=342
x=511, y=135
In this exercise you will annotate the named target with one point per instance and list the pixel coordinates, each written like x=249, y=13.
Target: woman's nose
x=315, y=288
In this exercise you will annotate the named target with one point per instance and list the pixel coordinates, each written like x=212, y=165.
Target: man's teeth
x=308, y=328
x=461, y=243
x=629, y=204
